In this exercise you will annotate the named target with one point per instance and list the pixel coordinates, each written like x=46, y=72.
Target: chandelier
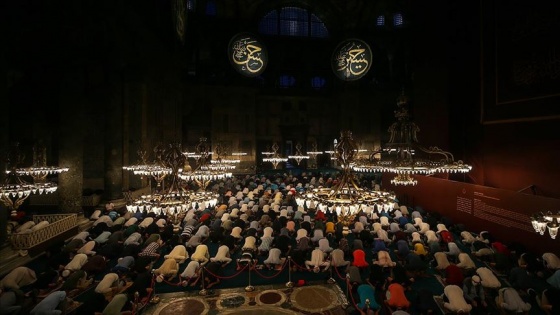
x=273, y=156
x=205, y=172
x=15, y=189
x=299, y=156
x=403, y=155
x=174, y=198
x=222, y=163
x=346, y=199
x=155, y=170
x=543, y=221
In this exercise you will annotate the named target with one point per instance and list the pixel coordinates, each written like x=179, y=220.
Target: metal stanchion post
x=155, y=298
x=331, y=279
x=203, y=291
x=290, y=284
x=250, y=288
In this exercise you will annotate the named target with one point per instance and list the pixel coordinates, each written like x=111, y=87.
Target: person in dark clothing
x=141, y=283
x=211, y=274
x=111, y=251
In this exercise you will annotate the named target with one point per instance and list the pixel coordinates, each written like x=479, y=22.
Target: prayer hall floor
x=314, y=298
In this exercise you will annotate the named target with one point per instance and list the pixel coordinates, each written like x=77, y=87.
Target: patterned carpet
x=328, y=299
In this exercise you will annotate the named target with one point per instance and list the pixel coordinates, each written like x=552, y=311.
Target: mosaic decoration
x=270, y=297
x=231, y=301
x=189, y=305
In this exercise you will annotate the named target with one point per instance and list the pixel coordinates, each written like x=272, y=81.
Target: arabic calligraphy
x=352, y=60
x=180, y=15
x=248, y=55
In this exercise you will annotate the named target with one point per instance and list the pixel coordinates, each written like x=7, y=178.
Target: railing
x=58, y=224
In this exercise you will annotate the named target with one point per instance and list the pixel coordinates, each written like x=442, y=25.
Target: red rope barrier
x=298, y=266
x=228, y=277
x=148, y=297
x=338, y=273
x=352, y=296
x=273, y=276
x=174, y=284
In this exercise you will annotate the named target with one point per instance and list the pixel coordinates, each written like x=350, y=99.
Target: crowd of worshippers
x=257, y=222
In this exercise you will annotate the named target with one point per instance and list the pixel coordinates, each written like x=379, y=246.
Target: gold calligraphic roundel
x=247, y=54
x=351, y=59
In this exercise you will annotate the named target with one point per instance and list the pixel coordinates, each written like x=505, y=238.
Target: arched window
x=292, y=21
x=380, y=20
x=318, y=82
x=398, y=19
x=211, y=9
x=286, y=81
x=190, y=5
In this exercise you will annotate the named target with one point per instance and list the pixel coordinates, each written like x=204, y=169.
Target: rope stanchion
x=289, y=284
x=273, y=276
x=349, y=290
x=298, y=266
x=228, y=277
x=338, y=273
x=202, y=291
x=154, y=297
x=331, y=279
x=171, y=283
x=249, y=287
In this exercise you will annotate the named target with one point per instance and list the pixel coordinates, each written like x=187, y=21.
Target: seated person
x=54, y=304
x=246, y=258
x=367, y=302
x=168, y=269
x=191, y=274
x=266, y=240
x=201, y=254
x=465, y=262
x=109, y=285
x=337, y=258
x=441, y=261
x=212, y=273
x=554, y=279
x=76, y=281
x=551, y=261
x=420, y=250
x=549, y=301
x=474, y=292
x=402, y=249
x=416, y=237
x=317, y=235
x=379, y=245
x=395, y=296
x=222, y=255
x=75, y=264
x=354, y=275
x=118, y=305
x=18, y=278
x=453, y=275
x=124, y=264
x=324, y=245
x=359, y=258
x=274, y=261
x=488, y=279
x=179, y=253
x=152, y=250
x=454, y=300
x=453, y=251
x=508, y=299
x=384, y=259
x=317, y=261
x=467, y=238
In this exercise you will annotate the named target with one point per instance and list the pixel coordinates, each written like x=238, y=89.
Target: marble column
x=71, y=141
